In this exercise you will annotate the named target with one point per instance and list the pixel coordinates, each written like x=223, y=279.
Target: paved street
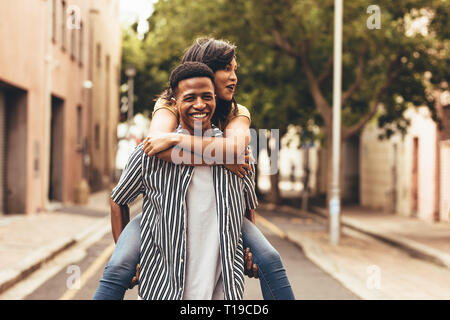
x=80, y=82
x=307, y=280
x=76, y=243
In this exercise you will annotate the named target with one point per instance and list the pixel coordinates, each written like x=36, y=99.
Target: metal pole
x=130, y=101
x=130, y=72
x=335, y=206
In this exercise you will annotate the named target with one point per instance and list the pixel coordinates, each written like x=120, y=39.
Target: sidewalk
x=28, y=241
x=425, y=240
x=397, y=267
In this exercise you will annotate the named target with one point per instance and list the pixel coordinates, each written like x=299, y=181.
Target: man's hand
x=135, y=279
x=238, y=169
x=120, y=216
x=250, y=270
x=157, y=143
x=241, y=169
x=250, y=214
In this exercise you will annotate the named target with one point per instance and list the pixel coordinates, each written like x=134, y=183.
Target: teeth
x=199, y=115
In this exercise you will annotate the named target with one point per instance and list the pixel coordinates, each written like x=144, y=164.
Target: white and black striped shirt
x=163, y=232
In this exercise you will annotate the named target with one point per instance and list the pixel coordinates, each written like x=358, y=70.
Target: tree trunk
x=257, y=191
x=274, y=195
x=306, y=172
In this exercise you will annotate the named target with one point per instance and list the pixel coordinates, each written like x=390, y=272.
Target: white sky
x=140, y=10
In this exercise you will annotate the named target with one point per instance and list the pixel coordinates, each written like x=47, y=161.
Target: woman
x=233, y=119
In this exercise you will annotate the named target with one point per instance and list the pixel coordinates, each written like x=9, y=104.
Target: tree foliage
x=285, y=57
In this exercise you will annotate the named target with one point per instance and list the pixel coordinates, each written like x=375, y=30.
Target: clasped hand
x=160, y=142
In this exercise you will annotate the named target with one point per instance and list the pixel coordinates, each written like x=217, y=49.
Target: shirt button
x=181, y=260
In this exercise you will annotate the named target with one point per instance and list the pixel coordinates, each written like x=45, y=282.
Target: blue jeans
x=272, y=275
x=121, y=268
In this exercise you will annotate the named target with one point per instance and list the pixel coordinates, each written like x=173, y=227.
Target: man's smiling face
x=196, y=103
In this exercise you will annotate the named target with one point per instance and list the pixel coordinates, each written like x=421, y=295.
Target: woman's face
x=226, y=80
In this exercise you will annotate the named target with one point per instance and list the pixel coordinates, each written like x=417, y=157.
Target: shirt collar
x=215, y=131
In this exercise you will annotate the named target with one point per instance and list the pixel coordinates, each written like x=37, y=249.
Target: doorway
x=415, y=178
x=56, y=185
x=13, y=134
x=394, y=173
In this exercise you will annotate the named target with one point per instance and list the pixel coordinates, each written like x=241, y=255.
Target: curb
x=314, y=253
x=353, y=227
x=412, y=247
x=32, y=263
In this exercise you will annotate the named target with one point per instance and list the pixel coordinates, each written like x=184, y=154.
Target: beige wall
x=22, y=66
x=445, y=181
x=349, y=171
x=23, y=38
x=67, y=84
x=386, y=167
x=2, y=151
x=104, y=71
x=444, y=100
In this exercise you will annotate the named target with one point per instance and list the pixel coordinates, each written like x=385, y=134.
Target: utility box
x=82, y=192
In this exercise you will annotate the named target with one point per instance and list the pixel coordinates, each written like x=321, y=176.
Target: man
x=191, y=242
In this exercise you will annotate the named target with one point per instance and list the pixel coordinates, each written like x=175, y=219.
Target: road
x=81, y=267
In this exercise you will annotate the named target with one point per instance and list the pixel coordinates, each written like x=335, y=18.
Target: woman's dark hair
x=216, y=54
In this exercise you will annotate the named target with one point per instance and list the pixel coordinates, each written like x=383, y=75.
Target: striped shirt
x=163, y=229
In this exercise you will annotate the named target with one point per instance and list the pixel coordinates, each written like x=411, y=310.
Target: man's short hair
x=188, y=70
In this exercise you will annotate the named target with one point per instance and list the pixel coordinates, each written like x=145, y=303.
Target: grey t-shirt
x=203, y=277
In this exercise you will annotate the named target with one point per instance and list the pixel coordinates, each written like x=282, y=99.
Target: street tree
x=285, y=55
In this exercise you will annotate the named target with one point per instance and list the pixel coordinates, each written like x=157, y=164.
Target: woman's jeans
x=121, y=268
x=272, y=275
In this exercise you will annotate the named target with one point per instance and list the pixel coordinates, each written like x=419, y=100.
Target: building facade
x=444, y=157
x=407, y=175
x=58, y=112
x=349, y=171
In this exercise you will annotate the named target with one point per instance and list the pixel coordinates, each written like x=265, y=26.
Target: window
x=54, y=16
x=108, y=64
x=97, y=136
x=73, y=24
x=99, y=55
x=79, y=128
x=72, y=39
x=80, y=45
x=63, y=25
x=447, y=122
